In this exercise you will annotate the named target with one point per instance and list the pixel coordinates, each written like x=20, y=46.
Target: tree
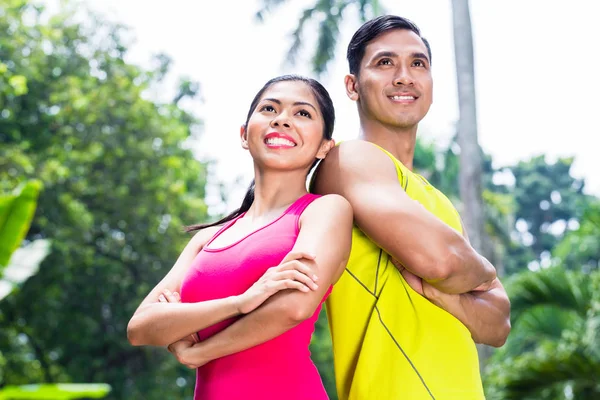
x=547, y=196
x=120, y=182
x=553, y=349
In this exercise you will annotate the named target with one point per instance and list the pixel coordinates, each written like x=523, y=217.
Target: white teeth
x=277, y=141
x=403, y=97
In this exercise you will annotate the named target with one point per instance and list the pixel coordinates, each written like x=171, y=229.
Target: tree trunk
x=471, y=159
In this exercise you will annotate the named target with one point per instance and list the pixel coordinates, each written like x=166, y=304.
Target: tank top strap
x=298, y=207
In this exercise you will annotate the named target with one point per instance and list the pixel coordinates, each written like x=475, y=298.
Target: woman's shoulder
x=329, y=206
x=202, y=237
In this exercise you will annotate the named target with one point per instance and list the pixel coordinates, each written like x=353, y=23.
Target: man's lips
x=279, y=140
x=403, y=97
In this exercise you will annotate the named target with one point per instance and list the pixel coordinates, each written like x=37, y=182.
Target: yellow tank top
x=389, y=342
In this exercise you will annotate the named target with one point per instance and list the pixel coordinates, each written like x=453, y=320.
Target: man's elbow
x=498, y=336
x=454, y=266
x=502, y=335
x=444, y=268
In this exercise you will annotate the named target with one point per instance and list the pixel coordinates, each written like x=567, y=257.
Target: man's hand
x=480, y=310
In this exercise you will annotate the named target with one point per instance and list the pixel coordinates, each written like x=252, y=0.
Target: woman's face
x=285, y=130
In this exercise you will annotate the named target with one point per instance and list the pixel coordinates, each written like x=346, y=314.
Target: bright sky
x=537, y=72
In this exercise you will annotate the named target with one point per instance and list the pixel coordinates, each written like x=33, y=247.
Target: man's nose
x=403, y=77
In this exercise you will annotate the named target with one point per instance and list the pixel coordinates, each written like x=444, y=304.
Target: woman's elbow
x=132, y=333
x=297, y=311
x=135, y=332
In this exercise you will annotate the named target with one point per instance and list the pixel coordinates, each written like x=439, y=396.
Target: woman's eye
x=267, y=108
x=304, y=113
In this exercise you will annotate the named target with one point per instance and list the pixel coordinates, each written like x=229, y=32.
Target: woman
x=252, y=284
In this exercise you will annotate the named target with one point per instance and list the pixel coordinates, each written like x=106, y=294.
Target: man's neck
x=399, y=142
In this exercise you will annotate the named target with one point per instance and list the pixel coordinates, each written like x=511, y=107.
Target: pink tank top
x=280, y=368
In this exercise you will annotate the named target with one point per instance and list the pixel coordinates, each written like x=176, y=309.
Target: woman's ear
x=325, y=148
x=244, y=137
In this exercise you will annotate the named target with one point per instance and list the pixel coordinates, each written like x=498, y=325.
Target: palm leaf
x=267, y=7
x=553, y=365
x=568, y=290
x=537, y=326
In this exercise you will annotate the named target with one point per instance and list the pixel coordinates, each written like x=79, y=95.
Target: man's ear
x=244, y=137
x=325, y=148
x=350, y=82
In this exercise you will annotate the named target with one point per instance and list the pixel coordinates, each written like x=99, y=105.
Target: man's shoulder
x=351, y=164
x=357, y=153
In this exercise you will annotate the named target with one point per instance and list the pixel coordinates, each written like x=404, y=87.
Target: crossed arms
x=437, y=261
x=323, y=247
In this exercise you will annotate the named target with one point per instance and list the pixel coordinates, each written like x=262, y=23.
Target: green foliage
x=554, y=346
x=580, y=248
x=322, y=355
x=119, y=183
x=546, y=193
x=55, y=392
x=16, y=213
x=24, y=263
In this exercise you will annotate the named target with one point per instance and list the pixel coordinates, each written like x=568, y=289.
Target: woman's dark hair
x=328, y=112
x=371, y=30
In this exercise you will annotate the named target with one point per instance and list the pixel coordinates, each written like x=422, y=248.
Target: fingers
x=283, y=284
x=169, y=297
x=294, y=275
x=298, y=266
x=413, y=281
x=298, y=255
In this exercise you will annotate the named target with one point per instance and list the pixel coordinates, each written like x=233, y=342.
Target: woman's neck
x=275, y=191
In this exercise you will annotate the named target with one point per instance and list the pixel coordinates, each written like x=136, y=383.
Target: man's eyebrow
x=387, y=53
x=298, y=103
x=420, y=55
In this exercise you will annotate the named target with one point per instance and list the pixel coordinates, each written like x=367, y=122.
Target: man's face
x=394, y=86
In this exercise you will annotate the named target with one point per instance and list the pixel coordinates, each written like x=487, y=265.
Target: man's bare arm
x=485, y=313
x=402, y=227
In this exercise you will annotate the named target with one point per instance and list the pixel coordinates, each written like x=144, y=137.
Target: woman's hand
x=174, y=297
x=291, y=273
x=188, y=353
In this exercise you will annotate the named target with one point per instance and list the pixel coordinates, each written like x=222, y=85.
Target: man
x=415, y=296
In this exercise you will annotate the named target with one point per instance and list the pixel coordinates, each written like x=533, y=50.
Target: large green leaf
x=16, y=213
x=24, y=263
x=61, y=391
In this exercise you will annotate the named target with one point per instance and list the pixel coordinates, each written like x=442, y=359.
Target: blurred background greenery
x=97, y=178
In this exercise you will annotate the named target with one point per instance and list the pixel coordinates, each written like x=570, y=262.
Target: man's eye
x=385, y=61
x=418, y=63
